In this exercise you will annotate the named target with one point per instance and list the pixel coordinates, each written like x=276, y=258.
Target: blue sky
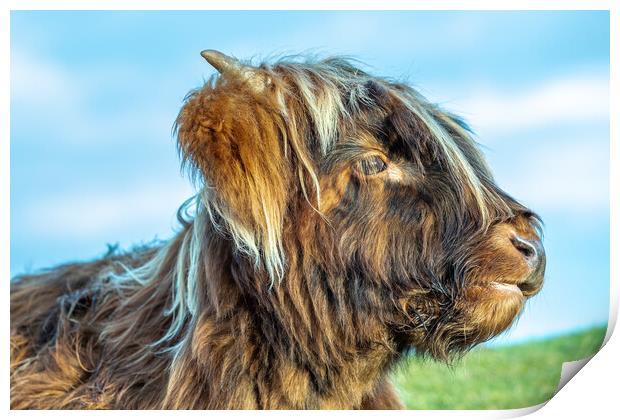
x=94, y=96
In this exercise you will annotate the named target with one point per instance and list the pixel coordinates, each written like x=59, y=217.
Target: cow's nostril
x=526, y=247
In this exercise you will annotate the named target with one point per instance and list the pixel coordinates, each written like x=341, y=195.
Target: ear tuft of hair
x=234, y=143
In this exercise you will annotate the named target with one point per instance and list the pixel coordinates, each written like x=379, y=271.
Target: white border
x=592, y=394
x=312, y=5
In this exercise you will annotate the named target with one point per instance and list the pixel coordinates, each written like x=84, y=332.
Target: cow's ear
x=233, y=139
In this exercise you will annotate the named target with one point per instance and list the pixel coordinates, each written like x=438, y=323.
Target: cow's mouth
x=525, y=288
x=509, y=288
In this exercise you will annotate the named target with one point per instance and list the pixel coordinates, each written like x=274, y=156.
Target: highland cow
x=342, y=221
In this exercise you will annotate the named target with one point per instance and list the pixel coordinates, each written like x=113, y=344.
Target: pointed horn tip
x=220, y=61
x=231, y=66
x=211, y=55
x=206, y=54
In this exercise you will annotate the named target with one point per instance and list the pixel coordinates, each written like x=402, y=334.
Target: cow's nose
x=531, y=249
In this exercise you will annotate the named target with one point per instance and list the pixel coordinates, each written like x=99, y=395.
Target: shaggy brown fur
x=342, y=221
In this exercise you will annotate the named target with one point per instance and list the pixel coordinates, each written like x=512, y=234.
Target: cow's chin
x=491, y=308
x=483, y=311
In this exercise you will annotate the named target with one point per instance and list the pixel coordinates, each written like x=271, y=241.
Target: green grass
x=494, y=378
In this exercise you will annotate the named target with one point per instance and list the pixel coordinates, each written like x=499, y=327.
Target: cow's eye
x=371, y=165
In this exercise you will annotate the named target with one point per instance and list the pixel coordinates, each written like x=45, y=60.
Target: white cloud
x=572, y=99
x=66, y=102
x=548, y=142
x=569, y=177
x=41, y=84
x=79, y=107
x=98, y=214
